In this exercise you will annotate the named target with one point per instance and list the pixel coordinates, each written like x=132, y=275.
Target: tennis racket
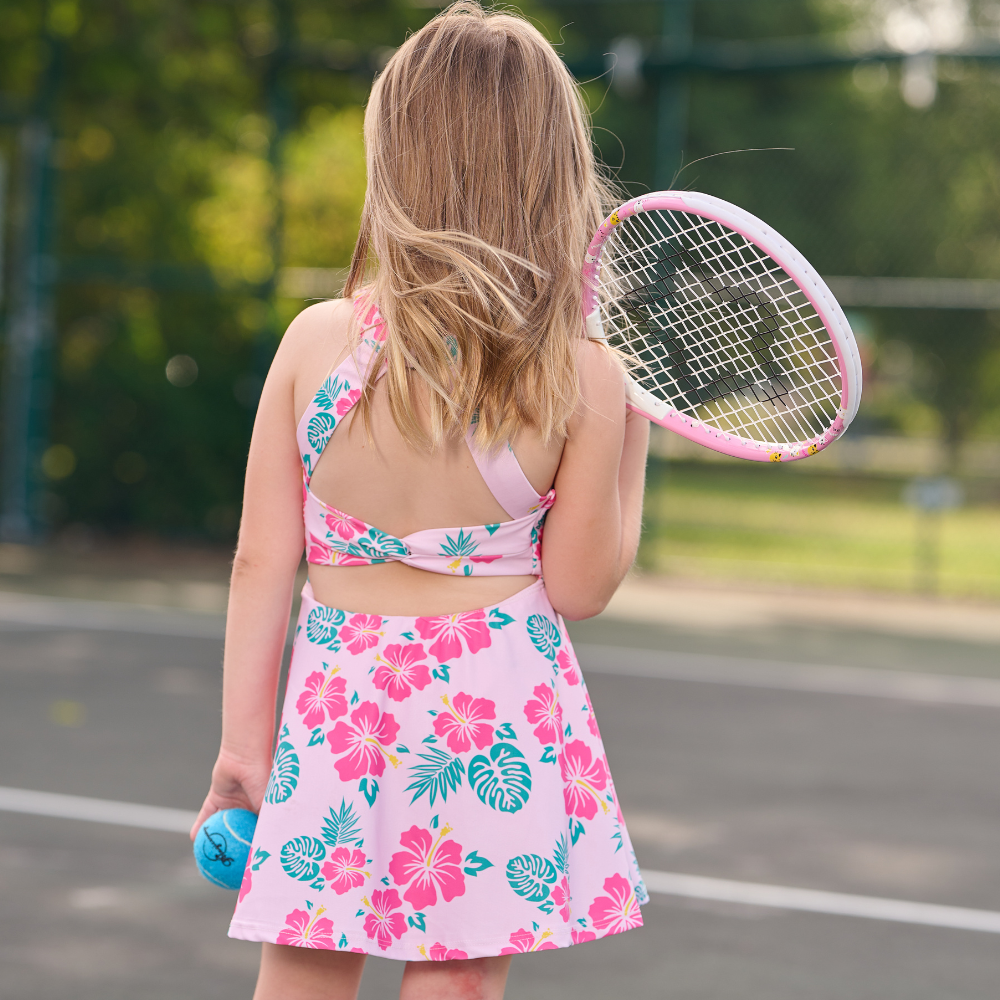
x=730, y=337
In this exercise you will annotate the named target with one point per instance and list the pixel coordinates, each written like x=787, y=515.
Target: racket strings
x=716, y=328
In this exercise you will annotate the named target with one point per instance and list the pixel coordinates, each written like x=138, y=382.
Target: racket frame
x=793, y=264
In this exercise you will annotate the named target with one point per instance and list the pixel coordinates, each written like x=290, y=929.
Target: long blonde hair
x=483, y=194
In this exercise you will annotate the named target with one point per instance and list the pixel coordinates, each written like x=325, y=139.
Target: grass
x=781, y=525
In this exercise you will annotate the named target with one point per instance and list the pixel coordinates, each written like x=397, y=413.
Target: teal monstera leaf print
x=530, y=876
x=377, y=544
x=329, y=392
x=319, y=429
x=544, y=635
x=284, y=775
x=503, y=780
x=301, y=857
x=321, y=625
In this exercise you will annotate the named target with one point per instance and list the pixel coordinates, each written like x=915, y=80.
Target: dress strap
x=505, y=478
x=341, y=389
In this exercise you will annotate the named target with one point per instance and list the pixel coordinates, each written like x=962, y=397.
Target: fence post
x=672, y=101
x=30, y=329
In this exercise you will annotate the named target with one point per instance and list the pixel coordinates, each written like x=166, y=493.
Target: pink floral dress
x=439, y=788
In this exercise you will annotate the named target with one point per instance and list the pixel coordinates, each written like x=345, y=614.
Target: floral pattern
x=617, y=911
x=448, y=631
x=400, y=670
x=522, y=941
x=364, y=742
x=307, y=930
x=584, y=780
x=546, y=714
x=361, y=632
x=322, y=699
x=462, y=725
x=382, y=924
x=439, y=953
x=427, y=865
x=345, y=870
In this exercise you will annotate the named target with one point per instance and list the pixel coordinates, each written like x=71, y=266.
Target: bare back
x=401, y=489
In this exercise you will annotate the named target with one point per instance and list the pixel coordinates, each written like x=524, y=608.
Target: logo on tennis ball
x=775, y=456
x=217, y=850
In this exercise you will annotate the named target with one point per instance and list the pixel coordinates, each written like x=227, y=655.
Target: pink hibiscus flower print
x=523, y=941
x=400, y=670
x=343, y=524
x=545, y=710
x=322, y=698
x=591, y=718
x=439, y=953
x=345, y=870
x=580, y=936
x=307, y=930
x=382, y=925
x=345, y=403
x=449, y=630
x=430, y=864
x=568, y=667
x=583, y=780
x=361, y=632
x=462, y=725
x=319, y=554
x=561, y=897
x=619, y=910
x=245, y=885
x=364, y=742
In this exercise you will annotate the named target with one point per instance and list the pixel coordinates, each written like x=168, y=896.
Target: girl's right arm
x=270, y=548
x=592, y=532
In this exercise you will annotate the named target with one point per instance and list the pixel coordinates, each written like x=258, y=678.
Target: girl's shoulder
x=315, y=342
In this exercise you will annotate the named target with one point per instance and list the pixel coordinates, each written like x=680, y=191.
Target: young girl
x=439, y=792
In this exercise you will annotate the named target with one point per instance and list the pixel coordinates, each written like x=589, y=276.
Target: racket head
x=733, y=340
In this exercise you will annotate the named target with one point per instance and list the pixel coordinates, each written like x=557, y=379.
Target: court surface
x=737, y=756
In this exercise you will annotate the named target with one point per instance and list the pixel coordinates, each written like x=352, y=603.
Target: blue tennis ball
x=222, y=846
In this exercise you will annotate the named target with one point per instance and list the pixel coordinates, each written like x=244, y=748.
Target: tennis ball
x=222, y=846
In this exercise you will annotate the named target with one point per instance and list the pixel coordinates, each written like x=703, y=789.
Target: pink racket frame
x=797, y=268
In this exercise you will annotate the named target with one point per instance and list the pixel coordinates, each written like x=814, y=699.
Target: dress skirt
x=439, y=791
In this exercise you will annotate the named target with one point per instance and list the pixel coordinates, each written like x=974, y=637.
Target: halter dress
x=439, y=787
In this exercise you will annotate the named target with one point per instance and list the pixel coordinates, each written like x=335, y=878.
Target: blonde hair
x=483, y=195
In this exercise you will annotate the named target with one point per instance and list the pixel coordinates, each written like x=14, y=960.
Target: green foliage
x=169, y=165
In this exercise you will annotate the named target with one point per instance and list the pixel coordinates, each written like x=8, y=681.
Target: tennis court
x=760, y=783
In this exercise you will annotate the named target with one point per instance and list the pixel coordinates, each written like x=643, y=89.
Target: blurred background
x=178, y=178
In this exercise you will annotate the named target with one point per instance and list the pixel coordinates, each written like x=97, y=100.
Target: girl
x=439, y=791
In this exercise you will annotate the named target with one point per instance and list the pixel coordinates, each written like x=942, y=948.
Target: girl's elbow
x=576, y=604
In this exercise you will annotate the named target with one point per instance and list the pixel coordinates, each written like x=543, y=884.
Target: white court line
x=108, y=616
x=815, y=901
x=780, y=897
x=23, y=800
x=934, y=689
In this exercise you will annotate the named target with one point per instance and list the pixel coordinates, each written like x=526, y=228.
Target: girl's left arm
x=267, y=557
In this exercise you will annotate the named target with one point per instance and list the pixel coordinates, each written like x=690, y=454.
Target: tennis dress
x=439, y=788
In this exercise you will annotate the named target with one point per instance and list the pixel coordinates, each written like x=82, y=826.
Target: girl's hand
x=236, y=784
